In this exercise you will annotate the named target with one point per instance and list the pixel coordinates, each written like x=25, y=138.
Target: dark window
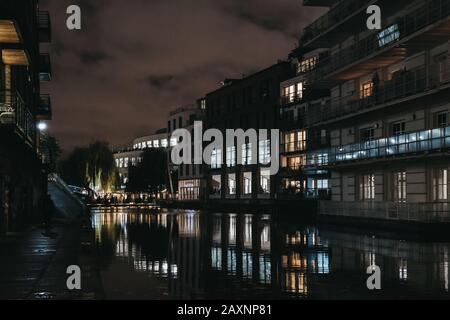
x=180, y=122
x=174, y=124
x=168, y=126
x=441, y=119
x=367, y=134
x=398, y=128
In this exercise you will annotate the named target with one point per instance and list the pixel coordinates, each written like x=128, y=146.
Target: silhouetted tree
x=150, y=175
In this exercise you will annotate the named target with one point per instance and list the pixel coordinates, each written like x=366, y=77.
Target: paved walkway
x=33, y=266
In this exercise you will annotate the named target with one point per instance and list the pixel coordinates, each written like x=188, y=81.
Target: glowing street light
x=42, y=126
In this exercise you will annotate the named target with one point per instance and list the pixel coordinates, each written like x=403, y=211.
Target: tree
x=91, y=166
x=150, y=175
x=51, y=151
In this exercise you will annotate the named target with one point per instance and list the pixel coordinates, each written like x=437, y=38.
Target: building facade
x=248, y=103
x=379, y=138
x=23, y=179
x=191, y=182
x=125, y=158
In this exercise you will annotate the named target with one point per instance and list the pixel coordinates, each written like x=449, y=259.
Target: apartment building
x=23, y=179
x=191, y=183
x=382, y=133
x=248, y=103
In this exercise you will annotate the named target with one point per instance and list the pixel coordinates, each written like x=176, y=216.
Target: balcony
x=426, y=26
x=45, y=67
x=291, y=99
x=9, y=32
x=14, y=113
x=45, y=108
x=289, y=147
x=44, y=27
x=344, y=10
x=433, y=140
x=406, y=85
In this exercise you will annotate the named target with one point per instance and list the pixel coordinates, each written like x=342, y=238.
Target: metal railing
x=296, y=146
x=431, y=12
x=332, y=18
x=407, y=84
x=291, y=99
x=403, y=144
x=44, y=25
x=13, y=111
x=393, y=211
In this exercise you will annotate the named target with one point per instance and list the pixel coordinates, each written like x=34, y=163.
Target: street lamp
x=42, y=126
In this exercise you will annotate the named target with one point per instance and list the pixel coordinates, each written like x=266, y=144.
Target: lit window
x=247, y=154
x=149, y=144
x=247, y=182
x=307, y=65
x=231, y=156
x=232, y=184
x=216, y=185
x=216, y=159
x=156, y=143
x=440, y=185
x=173, y=142
x=366, y=90
x=388, y=35
x=367, y=187
x=265, y=181
x=264, y=152
x=164, y=143
x=400, y=186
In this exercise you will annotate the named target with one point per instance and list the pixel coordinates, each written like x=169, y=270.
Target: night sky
x=135, y=60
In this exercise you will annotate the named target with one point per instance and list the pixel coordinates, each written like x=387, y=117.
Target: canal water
x=182, y=254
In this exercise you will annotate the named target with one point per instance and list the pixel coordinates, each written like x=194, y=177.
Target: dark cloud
x=159, y=81
x=92, y=57
x=135, y=60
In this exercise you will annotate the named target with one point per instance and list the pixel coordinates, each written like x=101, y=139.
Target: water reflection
x=200, y=255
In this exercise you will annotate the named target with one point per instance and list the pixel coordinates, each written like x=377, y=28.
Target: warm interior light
x=14, y=57
x=8, y=32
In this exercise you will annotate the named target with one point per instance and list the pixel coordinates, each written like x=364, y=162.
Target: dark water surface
x=171, y=254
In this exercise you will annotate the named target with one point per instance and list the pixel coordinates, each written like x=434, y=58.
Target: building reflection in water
x=253, y=256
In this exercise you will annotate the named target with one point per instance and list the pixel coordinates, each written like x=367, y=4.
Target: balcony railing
x=400, y=145
x=296, y=146
x=404, y=85
x=44, y=26
x=333, y=17
x=290, y=99
x=431, y=12
x=14, y=112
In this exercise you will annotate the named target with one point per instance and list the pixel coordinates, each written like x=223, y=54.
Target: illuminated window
x=216, y=185
x=367, y=187
x=440, y=184
x=293, y=93
x=366, y=90
x=173, y=142
x=388, y=35
x=232, y=184
x=306, y=65
x=164, y=143
x=247, y=154
x=294, y=141
x=247, y=183
x=264, y=151
x=216, y=159
x=231, y=156
x=265, y=182
x=400, y=186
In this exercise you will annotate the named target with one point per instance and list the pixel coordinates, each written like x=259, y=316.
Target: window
x=440, y=185
x=367, y=134
x=216, y=185
x=367, y=187
x=180, y=122
x=173, y=142
x=293, y=93
x=232, y=184
x=164, y=143
x=441, y=119
x=295, y=141
x=216, y=159
x=156, y=143
x=388, y=35
x=306, y=65
x=265, y=182
x=247, y=181
x=125, y=162
x=366, y=90
x=231, y=156
x=399, y=186
x=203, y=104
x=398, y=128
x=264, y=152
x=247, y=154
